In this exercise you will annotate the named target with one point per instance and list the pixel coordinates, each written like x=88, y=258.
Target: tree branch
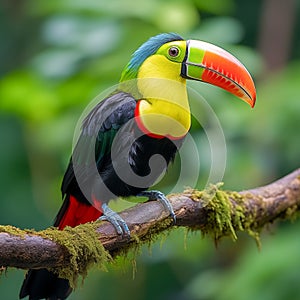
x=213, y=211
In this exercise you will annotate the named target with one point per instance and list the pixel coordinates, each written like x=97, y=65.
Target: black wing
x=98, y=131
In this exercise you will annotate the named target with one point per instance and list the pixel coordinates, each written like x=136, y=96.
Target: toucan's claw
x=115, y=219
x=157, y=195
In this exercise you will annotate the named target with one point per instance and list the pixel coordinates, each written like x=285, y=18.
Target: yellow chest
x=163, y=118
x=164, y=108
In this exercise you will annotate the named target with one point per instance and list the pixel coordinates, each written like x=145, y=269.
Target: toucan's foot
x=157, y=195
x=115, y=219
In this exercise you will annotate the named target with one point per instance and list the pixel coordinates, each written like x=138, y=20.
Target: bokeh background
x=56, y=56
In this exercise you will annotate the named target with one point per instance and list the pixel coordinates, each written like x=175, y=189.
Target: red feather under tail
x=78, y=213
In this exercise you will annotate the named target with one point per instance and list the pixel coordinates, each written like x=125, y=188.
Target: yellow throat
x=164, y=109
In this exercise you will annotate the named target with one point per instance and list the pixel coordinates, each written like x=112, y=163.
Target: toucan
x=129, y=138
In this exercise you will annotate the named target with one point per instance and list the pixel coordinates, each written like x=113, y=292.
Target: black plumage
x=111, y=125
x=112, y=158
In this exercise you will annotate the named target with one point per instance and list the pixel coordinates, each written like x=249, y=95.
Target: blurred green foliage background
x=56, y=56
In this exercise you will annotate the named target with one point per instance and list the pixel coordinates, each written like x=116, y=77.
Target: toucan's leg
x=115, y=219
x=157, y=195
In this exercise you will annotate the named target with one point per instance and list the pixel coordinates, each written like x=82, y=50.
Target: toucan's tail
x=43, y=284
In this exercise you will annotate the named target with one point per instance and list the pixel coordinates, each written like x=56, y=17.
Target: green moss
x=206, y=195
x=158, y=230
x=81, y=243
x=226, y=213
x=245, y=221
x=219, y=212
x=15, y=231
x=292, y=213
x=84, y=249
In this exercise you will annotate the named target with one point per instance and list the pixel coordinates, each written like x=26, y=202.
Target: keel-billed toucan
x=145, y=117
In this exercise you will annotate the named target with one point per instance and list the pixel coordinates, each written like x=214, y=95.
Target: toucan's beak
x=214, y=65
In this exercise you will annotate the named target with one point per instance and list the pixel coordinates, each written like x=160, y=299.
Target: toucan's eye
x=173, y=51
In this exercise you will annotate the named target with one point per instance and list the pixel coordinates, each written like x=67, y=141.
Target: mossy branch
x=215, y=212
